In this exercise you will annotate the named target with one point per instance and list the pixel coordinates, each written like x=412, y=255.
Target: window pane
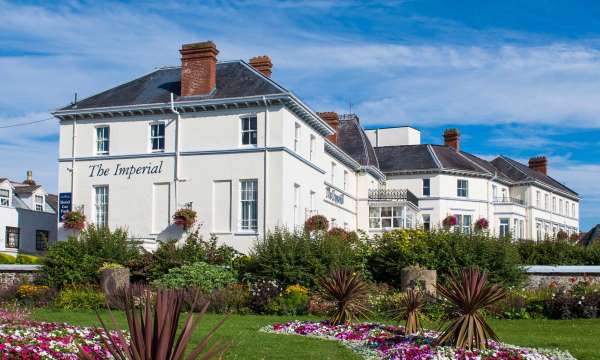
x=253, y=123
x=386, y=211
x=386, y=223
x=374, y=212
x=397, y=222
x=253, y=138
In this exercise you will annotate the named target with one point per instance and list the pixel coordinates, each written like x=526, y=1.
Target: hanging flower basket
x=186, y=218
x=316, y=222
x=74, y=220
x=449, y=221
x=482, y=224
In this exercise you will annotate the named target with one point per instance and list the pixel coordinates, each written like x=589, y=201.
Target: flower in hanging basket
x=186, y=218
x=316, y=222
x=449, y=221
x=74, y=220
x=482, y=224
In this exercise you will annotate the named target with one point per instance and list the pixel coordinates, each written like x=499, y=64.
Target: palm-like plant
x=153, y=320
x=410, y=306
x=465, y=299
x=348, y=293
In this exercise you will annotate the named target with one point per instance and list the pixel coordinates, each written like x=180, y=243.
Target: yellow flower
x=297, y=288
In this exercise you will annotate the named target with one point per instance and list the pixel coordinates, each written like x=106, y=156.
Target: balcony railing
x=393, y=195
x=509, y=200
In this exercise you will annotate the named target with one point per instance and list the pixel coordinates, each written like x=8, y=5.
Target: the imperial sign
x=128, y=171
x=332, y=195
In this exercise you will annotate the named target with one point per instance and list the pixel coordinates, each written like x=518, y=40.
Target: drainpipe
x=265, y=169
x=73, y=163
x=489, y=217
x=176, y=176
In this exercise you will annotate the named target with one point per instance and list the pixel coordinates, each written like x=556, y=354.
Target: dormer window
x=4, y=197
x=39, y=203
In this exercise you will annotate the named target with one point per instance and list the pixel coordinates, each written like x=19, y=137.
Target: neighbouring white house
x=28, y=220
x=517, y=199
x=224, y=139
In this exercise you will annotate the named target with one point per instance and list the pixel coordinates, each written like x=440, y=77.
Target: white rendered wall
x=394, y=136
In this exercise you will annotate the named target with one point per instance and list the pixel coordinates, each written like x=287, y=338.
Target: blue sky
x=519, y=78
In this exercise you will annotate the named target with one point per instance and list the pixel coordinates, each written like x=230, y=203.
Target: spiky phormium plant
x=465, y=327
x=348, y=293
x=153, y=320
x=409, y=308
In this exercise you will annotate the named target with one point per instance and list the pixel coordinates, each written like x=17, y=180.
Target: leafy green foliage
x=466, y=298
x=558, y=253
x=28, y=259
x=169, y=254
x=444, y=251
x=7, y=258
x=292, y=301
x=316, y=223
x=82, y=298
x=298, y=258
x=78, y=259
x=348, y=293
x=198, y=275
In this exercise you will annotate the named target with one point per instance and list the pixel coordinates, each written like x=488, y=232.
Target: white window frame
x=249, y=201
x=560, y=206
x=426, y=185
x=461, y=225
x=5, y=195
x=101, y=205
x=37, y=204
x=333, y=165
x=426, y=220
x=16, y=232
x=157, y=137
x=100, y=141
x=573, y=214
x=538, y=199
x=546, y=201
x=554, y=204
x=249, y=131
x=297, y=134
x=567, y=209
x=376, y=217
x=460, y=189
x=345, y=180
x=538, y=228
x=313, y=140
x=505, y=225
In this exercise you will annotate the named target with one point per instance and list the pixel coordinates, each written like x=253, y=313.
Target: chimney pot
x=29, y=180
x=198, y=68
x=262, y=64
x=333, y=119
x=452, y=138
x=539, y=163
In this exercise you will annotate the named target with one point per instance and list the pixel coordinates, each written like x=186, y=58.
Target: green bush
x=198, y=275
x=80, y=298
x=7, y=258
x=298, y=258
x=551, y=252
x=78, y=259
x=168, y=255
x=28, y=259
x=445, y=251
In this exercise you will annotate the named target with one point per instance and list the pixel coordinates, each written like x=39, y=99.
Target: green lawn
x=580, y=337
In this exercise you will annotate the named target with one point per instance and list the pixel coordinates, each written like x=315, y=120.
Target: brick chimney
x=539, y=163
x=452, y=138
x=333, y=119
x=29, y=180
x=262, y=64
x=198, y=68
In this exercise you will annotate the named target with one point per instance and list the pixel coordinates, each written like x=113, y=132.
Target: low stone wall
x=11, y=275
x=560, y=276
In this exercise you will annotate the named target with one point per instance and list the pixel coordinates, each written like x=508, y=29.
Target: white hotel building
x=248, y=155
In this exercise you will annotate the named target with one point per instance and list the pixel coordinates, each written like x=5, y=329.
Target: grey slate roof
x=398, y=158
x=591, y=236
x=234, y=79
x=352, y=139
x=520, y=172
x=52, y=201
x=25, y=189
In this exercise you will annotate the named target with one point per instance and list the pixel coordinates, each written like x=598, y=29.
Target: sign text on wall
x=98, y=170
x=332, y=195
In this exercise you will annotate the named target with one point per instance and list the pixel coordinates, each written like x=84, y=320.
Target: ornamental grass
x=410, y=308
x=347, y=292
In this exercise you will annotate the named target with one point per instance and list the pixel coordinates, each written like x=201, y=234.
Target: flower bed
x=25, y=339
x=377, y=341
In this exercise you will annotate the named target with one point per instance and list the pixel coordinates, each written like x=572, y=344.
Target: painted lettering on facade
x=332, y=195
x=98, y=170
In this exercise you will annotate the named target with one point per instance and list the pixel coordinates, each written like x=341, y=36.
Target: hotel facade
x=224, y=139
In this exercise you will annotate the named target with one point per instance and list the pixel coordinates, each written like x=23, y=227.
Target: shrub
x=78, y=259
x=348, y=293
x=292, y=301
x=410, y=307
x=262, y=292
x=168, y=255
x=316, y=223
x=111, y=266
x=298, y=258
x=198, y=275
x=465, y=300
x=557, y=253
x=28, y=259
x=562, y=235
x=230, y=299
x=7, y=258
x=80, y=297
x=446, y=252
x=186, y=218
x=35, y=295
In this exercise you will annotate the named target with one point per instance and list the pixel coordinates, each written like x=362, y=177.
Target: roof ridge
x=511, y=162
x=364, y=141
x=473, y=162
x=434, y=156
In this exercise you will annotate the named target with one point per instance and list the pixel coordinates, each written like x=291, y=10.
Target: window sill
x=246, y=233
